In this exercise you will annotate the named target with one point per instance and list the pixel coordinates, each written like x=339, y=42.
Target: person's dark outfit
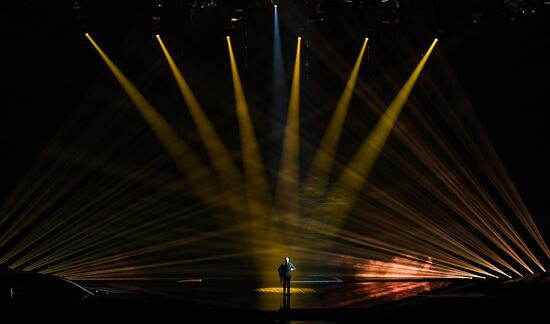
x=285, y=274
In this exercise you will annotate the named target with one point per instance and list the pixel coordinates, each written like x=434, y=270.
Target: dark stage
x=317, y=300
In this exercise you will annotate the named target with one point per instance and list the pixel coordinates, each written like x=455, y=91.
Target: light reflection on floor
x=279, y=290
x=374, y=293
x=313, y=295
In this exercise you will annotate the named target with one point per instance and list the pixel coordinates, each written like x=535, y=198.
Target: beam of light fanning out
x=289, y=177
x=356, y=172
x=221, y=158
x=257, y=185
x=324, y=156
x=199, y=177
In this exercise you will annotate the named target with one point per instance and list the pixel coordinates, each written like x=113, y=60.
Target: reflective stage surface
x=306, y=293
x=320, y=299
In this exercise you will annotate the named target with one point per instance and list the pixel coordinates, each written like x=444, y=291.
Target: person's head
x=287, y=259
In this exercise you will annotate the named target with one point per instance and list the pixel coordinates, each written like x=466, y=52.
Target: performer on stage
x=285, y=273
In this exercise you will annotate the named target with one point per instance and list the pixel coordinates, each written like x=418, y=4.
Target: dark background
x=500, y=53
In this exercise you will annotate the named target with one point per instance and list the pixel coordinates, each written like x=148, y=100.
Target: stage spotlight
x=354, y=176
x=197, y=174
x=257, y=185
x=324, y=156
x=280, y=95
x=393, y=233
x=287, y=185
x=220, y=156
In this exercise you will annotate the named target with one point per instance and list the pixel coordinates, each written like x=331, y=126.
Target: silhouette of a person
x=285, y=273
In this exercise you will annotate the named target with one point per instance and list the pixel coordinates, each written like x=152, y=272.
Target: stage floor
x=320, y=299
x=307, y=293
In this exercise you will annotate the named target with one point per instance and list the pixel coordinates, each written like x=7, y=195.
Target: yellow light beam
x=257, y=185
x=356, y=172
x=287, y=185
x=324, y=157
x=198, y=176
x=228, y=173
x=258, y=192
